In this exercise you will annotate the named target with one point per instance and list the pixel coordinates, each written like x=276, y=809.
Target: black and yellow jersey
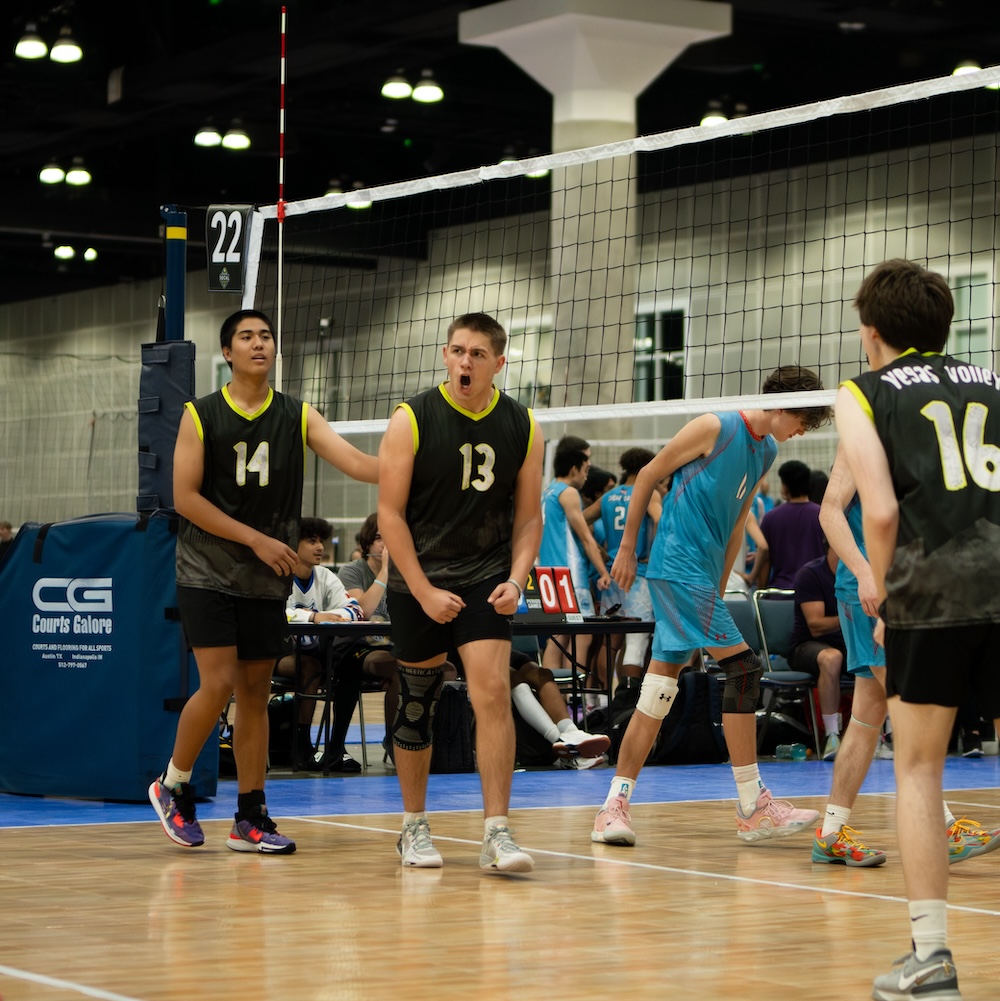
x=461, y=501
x=939, y=422
x=254, y=464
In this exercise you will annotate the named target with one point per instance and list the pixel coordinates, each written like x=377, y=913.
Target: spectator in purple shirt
x=791, y=529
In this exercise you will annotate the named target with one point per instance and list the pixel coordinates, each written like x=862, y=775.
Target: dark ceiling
x=176, y=63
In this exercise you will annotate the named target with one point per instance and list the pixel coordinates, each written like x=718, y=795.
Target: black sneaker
x=972, y=746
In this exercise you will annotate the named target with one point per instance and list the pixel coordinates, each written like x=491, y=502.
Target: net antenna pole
x=281, y=207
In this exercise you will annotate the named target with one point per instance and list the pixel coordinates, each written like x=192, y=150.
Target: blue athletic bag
x=93, y=666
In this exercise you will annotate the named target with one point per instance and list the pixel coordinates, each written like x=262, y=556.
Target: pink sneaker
x=773, y=818
x=612, y=824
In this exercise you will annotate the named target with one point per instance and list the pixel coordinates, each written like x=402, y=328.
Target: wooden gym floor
x=98, y=903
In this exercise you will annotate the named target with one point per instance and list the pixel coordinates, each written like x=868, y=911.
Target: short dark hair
x=367, y=533
x=568, y=459
x=818, y=482
x=231, y=322
x=908, y=305
x=597, y=480
x=633, y=459
x=482, y=323
x=315, y=528
x=572, y=443
x=795, y=476
x=797, y=379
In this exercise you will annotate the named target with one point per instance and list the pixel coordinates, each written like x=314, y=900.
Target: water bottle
x=791, y=752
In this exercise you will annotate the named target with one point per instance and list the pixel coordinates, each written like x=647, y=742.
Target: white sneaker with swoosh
x=934, y=977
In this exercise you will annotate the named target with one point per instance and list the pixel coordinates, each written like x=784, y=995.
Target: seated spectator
x=817, y=643
x=317, y=595
x=791, y=530
x=817, y=485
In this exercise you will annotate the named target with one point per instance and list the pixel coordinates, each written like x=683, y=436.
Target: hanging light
x=64, y=252
x=90, y=254
x=539, y=172
x=31, y=45
x=334, y=188
x=65, y=49
x=714, y=115
x=397, y=87
x=427, y=91
x=52, y=173
x=966, y=67
x=236, y=138
x=207, y=135
x=78, y=174
x=358, y=201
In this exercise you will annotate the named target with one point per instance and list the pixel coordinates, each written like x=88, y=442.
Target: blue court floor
x=379, y=793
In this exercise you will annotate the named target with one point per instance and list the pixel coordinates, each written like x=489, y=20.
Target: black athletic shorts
x=417, y=637
x=944, y=666
x=805, y=656
x=257, y=627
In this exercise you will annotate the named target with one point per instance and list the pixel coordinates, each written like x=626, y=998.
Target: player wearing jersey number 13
x=459, y=509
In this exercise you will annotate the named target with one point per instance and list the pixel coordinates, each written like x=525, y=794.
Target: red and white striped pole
x=281, y=205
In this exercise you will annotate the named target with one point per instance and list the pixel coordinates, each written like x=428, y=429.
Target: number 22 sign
x=225, y=241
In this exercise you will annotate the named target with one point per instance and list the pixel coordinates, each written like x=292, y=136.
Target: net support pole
x=281, y=207
x=176, y=236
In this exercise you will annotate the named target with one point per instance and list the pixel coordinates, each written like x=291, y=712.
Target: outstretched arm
x=329, y=445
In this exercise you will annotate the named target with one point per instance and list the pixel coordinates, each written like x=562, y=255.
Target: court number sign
x=225, y=244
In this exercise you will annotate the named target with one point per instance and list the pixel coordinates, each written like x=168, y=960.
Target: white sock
x=532, y=712
x=567, y=724
x=748, y=786
x=949, y=817
x=411, y=818
x=928, y=926
x=834, y=819
x=621, y=786
x=173, y=776
x=831, y=724
x=491, y=822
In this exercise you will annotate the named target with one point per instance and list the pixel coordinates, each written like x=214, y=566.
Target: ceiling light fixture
x=78, y=174
x=236, y=138
x=397, y=87
x=355, y=200
x=52, y=173
x=427, y=91
x=31, y=45
x=334, y=188
x=389, y=125
x=90, y=254
x=64, y=252
x=714, y=115
x=65, y=49
x=207, y=135
x=966, y=67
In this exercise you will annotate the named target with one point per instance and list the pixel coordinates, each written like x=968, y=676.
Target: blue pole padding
x=176, y=270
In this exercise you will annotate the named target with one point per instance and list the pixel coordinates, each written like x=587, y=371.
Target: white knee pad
x=656, y=695
x=636, y=645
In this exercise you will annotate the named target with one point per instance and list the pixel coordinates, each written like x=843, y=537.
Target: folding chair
x=774, y=609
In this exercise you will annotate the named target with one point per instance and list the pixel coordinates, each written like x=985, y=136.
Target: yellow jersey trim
x=189, y=407
x=305, y=430
x=243, y=413
x=413, y=424
x=851, y=386
x=490, y=407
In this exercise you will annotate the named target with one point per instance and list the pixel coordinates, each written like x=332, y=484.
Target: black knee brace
x=742, y=690
x=419, y=689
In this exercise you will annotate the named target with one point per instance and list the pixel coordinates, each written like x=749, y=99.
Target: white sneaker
x=416, y=848
x=575, y=741
x=501, y=852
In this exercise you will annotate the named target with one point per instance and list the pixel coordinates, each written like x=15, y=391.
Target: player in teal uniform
x=717, y=462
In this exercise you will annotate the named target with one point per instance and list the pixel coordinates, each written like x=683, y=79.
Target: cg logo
x=72, y=594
